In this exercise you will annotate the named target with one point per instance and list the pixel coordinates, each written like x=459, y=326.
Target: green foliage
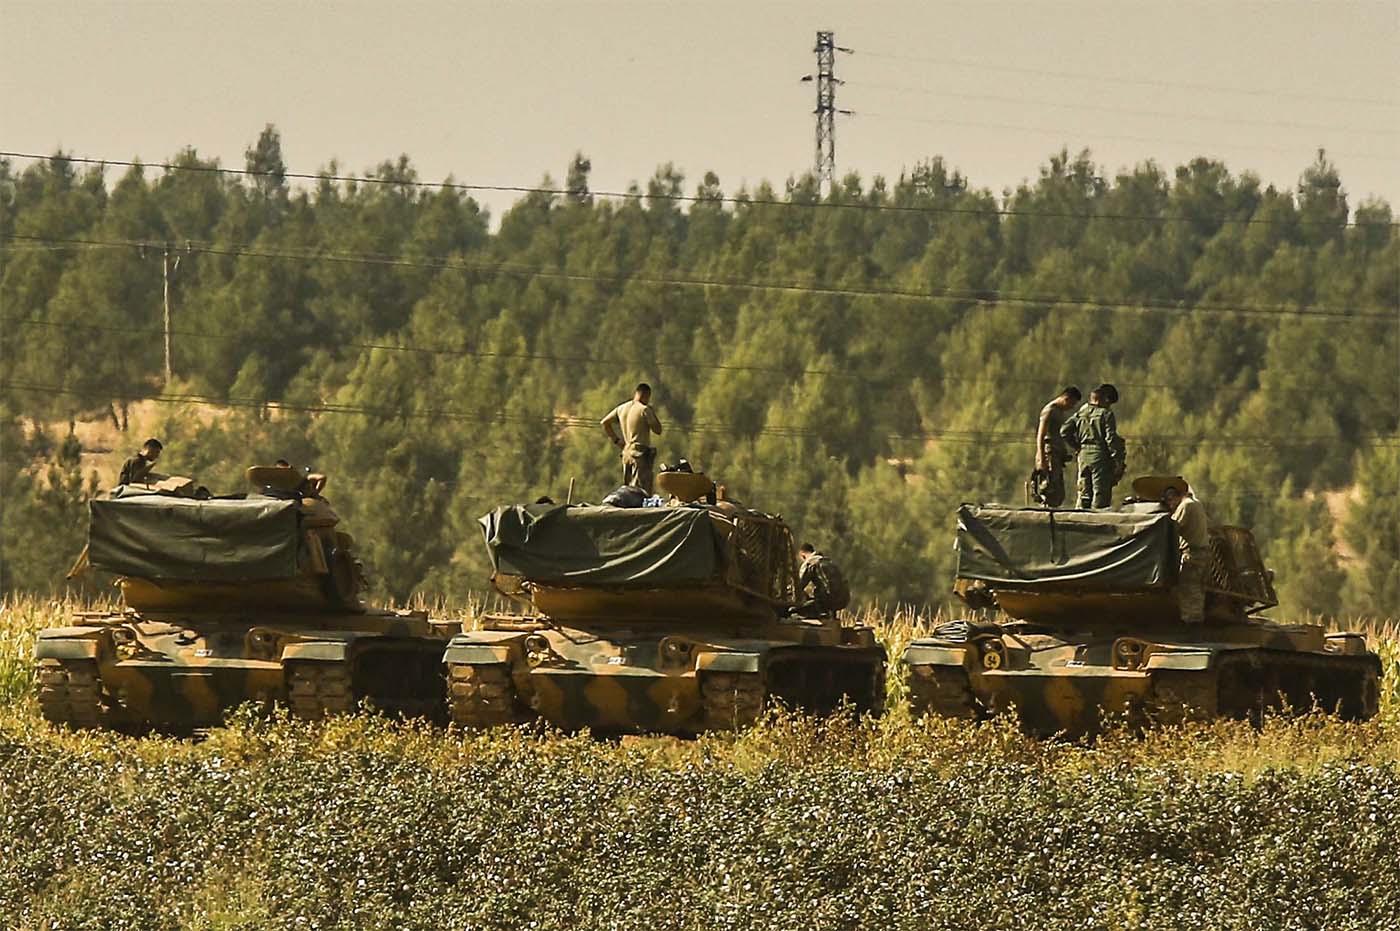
x=369, y=825
x=361, y=822
x=862, y=418
x=1373, y=530
x=43, y=511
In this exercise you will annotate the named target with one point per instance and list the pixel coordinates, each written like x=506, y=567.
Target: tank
x=669, y=620
x=1077, y=623
x=248, y=597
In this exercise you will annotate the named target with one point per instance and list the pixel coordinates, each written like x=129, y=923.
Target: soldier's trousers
x=1096, y=484
x=1054, y=495
x=639, y=468
x=1191, y=592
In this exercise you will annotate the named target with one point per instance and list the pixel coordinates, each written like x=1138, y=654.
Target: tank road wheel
x=1184, y=695
x=480, y=696
x=316, y=690
x=69, y=692
x=731, y=700
x=941, y=690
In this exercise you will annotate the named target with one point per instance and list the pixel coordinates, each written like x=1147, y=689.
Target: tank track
x=318, y=690
x=70, y=692
x=944, y=691
x=1248, y=683
x=480, y=697
x=731, y=700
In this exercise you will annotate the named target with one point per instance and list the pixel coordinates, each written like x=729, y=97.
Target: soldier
x=637, y=422
x=1092, y=433
x=829, y=590
x=1193, y=537
x=138, y=468
x=1051, y=453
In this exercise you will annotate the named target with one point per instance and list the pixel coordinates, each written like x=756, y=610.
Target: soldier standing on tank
x=1092, y=433
x=1051, y=452
x=830, y=593
x=636, y=421
x=1193, y=536
x=138, y=468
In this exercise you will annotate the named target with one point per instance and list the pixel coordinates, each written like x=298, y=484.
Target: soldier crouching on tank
x=637, y=421
x=1092, y=433
x=1193, y=536
x=829, y=592
x=138, y=469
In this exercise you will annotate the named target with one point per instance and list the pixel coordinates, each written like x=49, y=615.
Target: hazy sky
x=502, y=92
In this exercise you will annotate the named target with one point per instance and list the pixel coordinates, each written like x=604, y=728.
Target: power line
x=1061, y=133
x=979, y=298
x=1097, y=108
x=733, y=200
x=973, y=437
x=553, y=358
x=1142, y=82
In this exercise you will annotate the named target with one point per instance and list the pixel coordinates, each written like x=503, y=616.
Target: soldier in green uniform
x=829, y=592
x=1092, y=433
x=1051, y=453
x=139, y=467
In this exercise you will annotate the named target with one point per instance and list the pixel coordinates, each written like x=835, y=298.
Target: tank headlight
x=675, y=651
x=993, y=654
x=1129, y=654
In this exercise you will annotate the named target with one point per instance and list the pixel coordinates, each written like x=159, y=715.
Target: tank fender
x=324, y=651
x=68, y=643
x=1180, y=659
x=934, y=654
x=476, y=654
x=727, y=661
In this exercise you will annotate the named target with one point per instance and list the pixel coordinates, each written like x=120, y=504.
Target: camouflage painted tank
x=664, y=620
x=1095, y=630
x=246, y=598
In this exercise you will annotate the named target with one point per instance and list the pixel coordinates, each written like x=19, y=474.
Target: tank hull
x=180, y=671
x=658, y=677
x=1074, y=682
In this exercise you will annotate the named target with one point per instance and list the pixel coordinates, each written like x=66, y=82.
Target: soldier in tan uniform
x=1051, y=451
x=1193, y=535
x=630, y=426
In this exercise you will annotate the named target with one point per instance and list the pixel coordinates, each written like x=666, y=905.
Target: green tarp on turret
x=168, y=537
x=1098, y=550
x=593, y=546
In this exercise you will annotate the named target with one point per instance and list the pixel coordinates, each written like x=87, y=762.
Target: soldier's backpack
x=837, y=591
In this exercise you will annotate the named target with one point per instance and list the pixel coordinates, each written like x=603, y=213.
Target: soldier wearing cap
x=1193, y=536
x=1092, y=433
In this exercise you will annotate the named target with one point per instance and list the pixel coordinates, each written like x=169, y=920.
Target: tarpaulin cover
x=1101, y=550
x=589, y=545
x=165, y=537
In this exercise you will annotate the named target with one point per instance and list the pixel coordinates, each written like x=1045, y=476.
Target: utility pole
x=167, y=270
x=826, y=81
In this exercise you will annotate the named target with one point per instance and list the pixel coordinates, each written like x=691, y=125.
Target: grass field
x=363, y=823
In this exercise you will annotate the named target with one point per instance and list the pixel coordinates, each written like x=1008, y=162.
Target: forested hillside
x=860, y=363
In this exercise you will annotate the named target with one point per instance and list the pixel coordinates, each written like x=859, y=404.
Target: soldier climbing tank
x=249, y=597
x=652, y=619
x=1089, y=628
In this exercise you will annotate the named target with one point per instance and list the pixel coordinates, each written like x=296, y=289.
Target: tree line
x=860, y=361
